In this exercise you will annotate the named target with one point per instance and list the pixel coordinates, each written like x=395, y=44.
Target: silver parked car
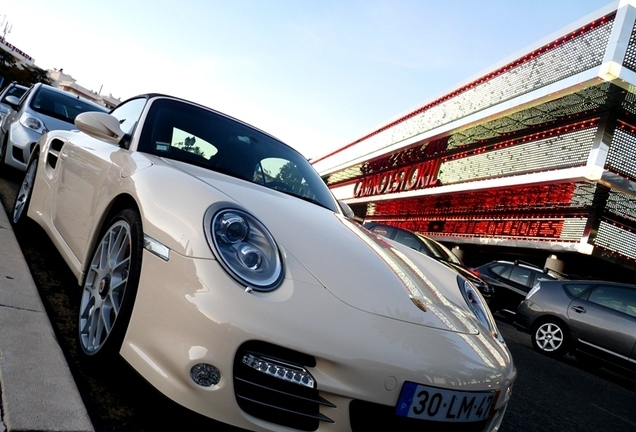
x=41, y=109
x=595, y=320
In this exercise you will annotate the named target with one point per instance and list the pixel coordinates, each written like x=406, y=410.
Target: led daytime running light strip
x=285, y=372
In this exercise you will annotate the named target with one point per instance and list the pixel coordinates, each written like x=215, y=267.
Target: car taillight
x=475, y=272
x=534, y=289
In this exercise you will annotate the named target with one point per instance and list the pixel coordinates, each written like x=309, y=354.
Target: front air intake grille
x=367, y=416
x=274, y=399
x=18, y=154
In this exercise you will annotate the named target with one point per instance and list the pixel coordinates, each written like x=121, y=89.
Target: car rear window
x=501, y=270
x=440, y=251
x=407, y=239
x=576, y=289
x=521, y=276
x=543, y=277
x=383, y=231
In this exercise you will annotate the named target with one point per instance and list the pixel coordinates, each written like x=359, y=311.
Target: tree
x=25, y=75
x=188, y=145
x=292, y=177
x=35, y=74
x=7, y=60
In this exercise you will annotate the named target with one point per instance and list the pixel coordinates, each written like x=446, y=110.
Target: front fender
x=172, y=206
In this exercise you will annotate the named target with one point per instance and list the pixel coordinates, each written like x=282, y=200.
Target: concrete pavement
x=37, y=390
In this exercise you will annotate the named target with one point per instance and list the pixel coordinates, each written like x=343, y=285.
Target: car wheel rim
x=549, y=337
x=105, y=286
x=24, y=193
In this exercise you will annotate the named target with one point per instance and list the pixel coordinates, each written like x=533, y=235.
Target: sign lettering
x=407, y=178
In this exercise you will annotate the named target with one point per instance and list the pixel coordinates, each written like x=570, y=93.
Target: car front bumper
x=20, y=143
x=189, y=312
x=527, y=314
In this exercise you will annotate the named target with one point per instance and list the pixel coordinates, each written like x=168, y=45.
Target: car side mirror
x=100, y=125
x=12, y=101
x=346, y=210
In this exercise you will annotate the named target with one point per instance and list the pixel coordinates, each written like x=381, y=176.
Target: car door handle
x=579, y=309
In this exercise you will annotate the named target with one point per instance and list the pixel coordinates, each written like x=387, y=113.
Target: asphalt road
x=549, y=395
x=558, y=395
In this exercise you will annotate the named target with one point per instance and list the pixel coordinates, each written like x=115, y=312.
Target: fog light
x=277, y=369
x=205, y=375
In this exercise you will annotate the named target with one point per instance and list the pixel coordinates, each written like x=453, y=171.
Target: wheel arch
x=117, y=204
x=35, y=151
x=552, y=318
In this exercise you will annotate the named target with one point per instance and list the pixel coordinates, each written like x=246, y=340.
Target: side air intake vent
x=275, y=385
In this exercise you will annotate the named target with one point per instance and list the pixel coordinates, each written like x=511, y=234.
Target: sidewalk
x=37, y=390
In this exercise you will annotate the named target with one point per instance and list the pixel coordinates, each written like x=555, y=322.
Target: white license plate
x=433, y=403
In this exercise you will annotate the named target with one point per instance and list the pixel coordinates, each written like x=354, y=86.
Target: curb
x=37, y=390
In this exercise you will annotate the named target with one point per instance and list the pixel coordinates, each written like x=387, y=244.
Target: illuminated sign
x=538, y=153
x=399, y=180
x=541, y=212
x=523, y=155
x=573, y=53
x=617, y=239
x=550, y=228
x=16, y=50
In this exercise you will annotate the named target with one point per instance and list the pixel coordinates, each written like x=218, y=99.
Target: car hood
x=357, y=266
x=53, y=123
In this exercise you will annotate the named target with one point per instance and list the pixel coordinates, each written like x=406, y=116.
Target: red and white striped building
x=538, y=154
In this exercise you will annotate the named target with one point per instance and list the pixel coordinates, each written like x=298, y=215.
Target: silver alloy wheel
x=549, y=337
x=22, y=199
x=105, y=286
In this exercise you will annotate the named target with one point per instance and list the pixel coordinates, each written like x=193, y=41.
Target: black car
x=594, y=320
x=512, y=280
x=433, y=249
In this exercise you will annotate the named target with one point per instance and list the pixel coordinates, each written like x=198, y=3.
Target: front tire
x=551, y=337
x=110, y=288
x=23, y=198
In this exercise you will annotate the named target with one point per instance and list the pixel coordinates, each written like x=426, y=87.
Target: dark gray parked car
x=594, y=320
x=511, y=281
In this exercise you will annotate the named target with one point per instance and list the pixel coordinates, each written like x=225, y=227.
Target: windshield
x=62, y=106
x=185, y=132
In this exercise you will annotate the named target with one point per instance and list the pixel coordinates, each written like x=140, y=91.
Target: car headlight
x=33, y=123
x=477, y=305
x=245, y=248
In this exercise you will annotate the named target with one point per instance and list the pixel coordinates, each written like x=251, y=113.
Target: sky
x=317, y=74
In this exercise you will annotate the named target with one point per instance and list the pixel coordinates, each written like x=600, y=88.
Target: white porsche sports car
x=216, y=262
